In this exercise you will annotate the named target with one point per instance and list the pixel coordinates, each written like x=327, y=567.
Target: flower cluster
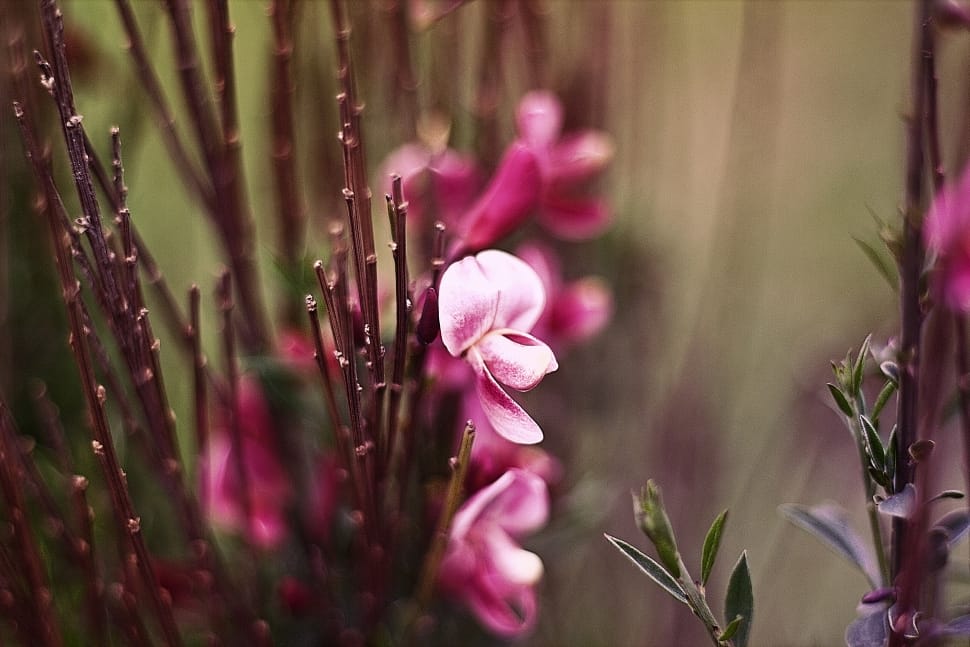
x=501, y=316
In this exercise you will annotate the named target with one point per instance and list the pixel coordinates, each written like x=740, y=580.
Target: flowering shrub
x=329, y=493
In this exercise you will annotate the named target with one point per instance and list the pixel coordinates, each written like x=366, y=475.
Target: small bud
x=652, y=518
x=428, y=325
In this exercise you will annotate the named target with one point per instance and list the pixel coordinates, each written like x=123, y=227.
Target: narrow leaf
x=874, y=447
x=829, y=523
x=858, y=370
x=891, y=453
x=731, y=629
x=740, y=600
x=840, y=401
x=868, y=631
x=711, y=543
x=886, y=269
x=654, y=571
x=883, y=398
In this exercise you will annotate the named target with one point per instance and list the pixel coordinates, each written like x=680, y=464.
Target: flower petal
x=513, y=563
x=456, y=182
x=578, y=157
x=523, y=506
x=467, y=303
x=574, y=219
x=510, y=197
x=522, y=297
x=583, y=308
x=507, y=418
x=539, y=118
x=948, y=219
x=476, y=506
x=503, y=610
x=956, y=284
x=517, y=360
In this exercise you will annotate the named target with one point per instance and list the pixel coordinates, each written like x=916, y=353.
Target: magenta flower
x=509, y=199
x=575, y=311
x=270, y=490
x=484, y=568
x=566, y=163
x=487, y=306
x=441, y=184
x=947, y=230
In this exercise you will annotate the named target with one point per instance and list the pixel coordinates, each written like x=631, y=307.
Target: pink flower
x=565, y=164
x=270, y=490
x=574, y=311
x=437, y=185
x=509, y=199
x=483, y=567
x=947, y=229
x=487, y=306
x=493, y=455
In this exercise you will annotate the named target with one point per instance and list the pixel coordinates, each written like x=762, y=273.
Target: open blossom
x=947, y=230
x=484, y=568
x=575, y=311
x=566, y=163
x=488, y=304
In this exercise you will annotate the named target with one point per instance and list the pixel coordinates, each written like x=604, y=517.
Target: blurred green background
x=753, y=141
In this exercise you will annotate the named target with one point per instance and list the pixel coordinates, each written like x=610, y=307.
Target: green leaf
x=731, y=629
x=840, y=400
x=711, y=543
x=858, y=370
x=654, y=571
x=891, y=453
x=886, y=269
x=883, y=398
x=830, y=525
x=873, y=444
x=740, y=600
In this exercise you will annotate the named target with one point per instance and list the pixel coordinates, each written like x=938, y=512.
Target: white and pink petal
x=507, y=418
x=517, y=360
x=467, y=305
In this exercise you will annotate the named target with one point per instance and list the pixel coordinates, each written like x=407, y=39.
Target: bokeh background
x=754, y=140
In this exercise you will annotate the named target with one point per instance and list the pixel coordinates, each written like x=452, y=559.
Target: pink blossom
x=270, y=490
x=483, y=567
x=493, y=455
x=437, y=185
x=574, y=311
x=487, y=306
x=566, y=163
x=509, y=199
x=947, y=229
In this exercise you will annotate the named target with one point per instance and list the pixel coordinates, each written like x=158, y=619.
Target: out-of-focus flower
x=574, y=311
x=484, y=568
x=566, y=163
x=488, y=303
x=269, y=488
x=441, y=184
x=510, y=197
x=947, y=229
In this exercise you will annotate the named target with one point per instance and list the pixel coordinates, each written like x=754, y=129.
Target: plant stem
x=429, y=573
